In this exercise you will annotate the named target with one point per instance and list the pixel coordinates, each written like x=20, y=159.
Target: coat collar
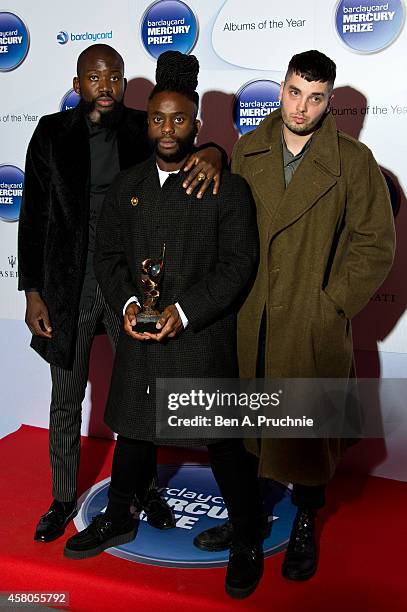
x=324, y=147
x=317, y=173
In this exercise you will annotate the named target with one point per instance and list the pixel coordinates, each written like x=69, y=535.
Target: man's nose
x=105, y=84
x=302, y=105
x=167, y=127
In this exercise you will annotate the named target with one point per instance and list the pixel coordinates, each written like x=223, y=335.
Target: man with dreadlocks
x=211, y=251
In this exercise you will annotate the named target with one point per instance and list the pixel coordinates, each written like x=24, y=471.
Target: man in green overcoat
x=326, y=244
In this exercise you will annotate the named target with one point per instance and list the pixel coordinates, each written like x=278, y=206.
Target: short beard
x=109, y=119
x=300, y=130
x=185, y=146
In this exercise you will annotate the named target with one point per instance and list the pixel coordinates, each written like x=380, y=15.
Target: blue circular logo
x=169, y=25
x=11, y=192
x=367, y=26
x=14, y=41
x=192, y=493
x=253, y=102
x=70, y=100
x=62, y=37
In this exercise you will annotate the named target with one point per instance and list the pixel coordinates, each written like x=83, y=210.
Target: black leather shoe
x=102, y=533
x=245, y=568
x=52, y=524
x=300, y=561
x=158, y=512
x=220, y=537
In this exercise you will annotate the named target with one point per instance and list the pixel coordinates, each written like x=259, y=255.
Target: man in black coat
x=72, y=159
x=211, y=252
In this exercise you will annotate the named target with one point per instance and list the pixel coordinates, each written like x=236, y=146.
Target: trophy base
x=146, y=323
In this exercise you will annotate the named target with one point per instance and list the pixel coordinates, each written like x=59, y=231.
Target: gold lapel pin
x=134, y=201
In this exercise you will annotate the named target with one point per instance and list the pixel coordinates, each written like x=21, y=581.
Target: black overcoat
x=211, y=253
x=54, y=219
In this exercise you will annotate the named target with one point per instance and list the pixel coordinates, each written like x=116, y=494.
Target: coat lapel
x=316, y=175
x=73, y=153
x=132, y=141
x=265, y=172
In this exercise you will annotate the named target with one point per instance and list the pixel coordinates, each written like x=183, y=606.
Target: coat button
x=134, y=201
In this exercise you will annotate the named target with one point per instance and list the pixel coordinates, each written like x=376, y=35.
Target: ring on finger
x=201, y=177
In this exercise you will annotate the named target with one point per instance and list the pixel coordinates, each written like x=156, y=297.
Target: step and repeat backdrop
x=243, y=49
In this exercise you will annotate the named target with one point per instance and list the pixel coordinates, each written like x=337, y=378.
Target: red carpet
x=362, y=550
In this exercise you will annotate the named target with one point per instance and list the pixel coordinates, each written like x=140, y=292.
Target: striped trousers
x=68, y=391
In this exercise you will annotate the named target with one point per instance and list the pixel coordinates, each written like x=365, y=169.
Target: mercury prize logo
x=253, y=102
x=367, y=26
x=169, y=25
x=11, y=192
x=194, y=497
x=70, y=100
x=14, y=41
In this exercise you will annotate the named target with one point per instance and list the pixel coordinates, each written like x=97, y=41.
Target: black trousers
x=134, y=464
x=312, y=497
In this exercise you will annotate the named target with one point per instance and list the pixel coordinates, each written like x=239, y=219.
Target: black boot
x=300, y=561
x=220, y=537
x=52, y=524
x=245, y=568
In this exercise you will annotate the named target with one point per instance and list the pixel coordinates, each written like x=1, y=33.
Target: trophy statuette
x=150, y=278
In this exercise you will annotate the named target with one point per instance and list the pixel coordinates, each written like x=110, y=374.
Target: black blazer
x=54, y=219
x=211, y=252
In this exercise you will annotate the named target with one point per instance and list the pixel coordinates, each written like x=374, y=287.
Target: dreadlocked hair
x=177, y=72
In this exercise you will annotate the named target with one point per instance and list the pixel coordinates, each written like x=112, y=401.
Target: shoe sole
x=299, y=578
x=162, y=527
x=237, y=593
x=211, y=547
x=93, y=552
x=46, y=540
x=220, y=548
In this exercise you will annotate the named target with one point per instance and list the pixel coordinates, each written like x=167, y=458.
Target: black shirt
x=104, y=166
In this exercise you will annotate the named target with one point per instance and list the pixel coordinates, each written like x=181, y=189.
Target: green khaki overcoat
x=326, y=244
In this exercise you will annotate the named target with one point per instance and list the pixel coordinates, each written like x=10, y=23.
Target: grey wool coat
x=326, y=244
x=211, y=252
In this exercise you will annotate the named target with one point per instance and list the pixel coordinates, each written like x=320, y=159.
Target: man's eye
x=157, y=120
x=93, y=77
x=179, y=120
x=116, y=78
x=316, y=99
x=293, y=92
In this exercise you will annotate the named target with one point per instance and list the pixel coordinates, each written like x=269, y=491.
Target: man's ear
x=328, y=108
x=76, y=86
x=198, y=126
x=280, y=94
x=124, y=85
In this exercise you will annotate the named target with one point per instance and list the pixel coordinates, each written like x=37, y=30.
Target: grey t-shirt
x=290, y=161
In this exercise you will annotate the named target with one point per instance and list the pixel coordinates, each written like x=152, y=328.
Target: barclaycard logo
x=194, y=497
x=62, y=37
